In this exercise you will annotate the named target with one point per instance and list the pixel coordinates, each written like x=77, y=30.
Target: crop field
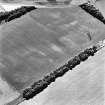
x=44, y=39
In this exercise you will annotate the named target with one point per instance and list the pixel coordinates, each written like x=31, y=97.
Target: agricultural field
x=44, y=39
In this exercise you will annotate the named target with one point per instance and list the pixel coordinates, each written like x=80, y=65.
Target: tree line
x=42, y=84
x=92, y=10
x=10, y=15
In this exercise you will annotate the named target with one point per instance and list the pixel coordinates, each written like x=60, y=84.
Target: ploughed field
x=42, y=40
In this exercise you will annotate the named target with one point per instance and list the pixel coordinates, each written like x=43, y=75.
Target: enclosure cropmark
x=42, y=84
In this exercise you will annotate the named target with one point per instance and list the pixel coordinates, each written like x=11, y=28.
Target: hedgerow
x=8, y=16
x=92, y=10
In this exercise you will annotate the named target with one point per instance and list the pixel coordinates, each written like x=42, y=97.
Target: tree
x=83, y=56
x=27, y=93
